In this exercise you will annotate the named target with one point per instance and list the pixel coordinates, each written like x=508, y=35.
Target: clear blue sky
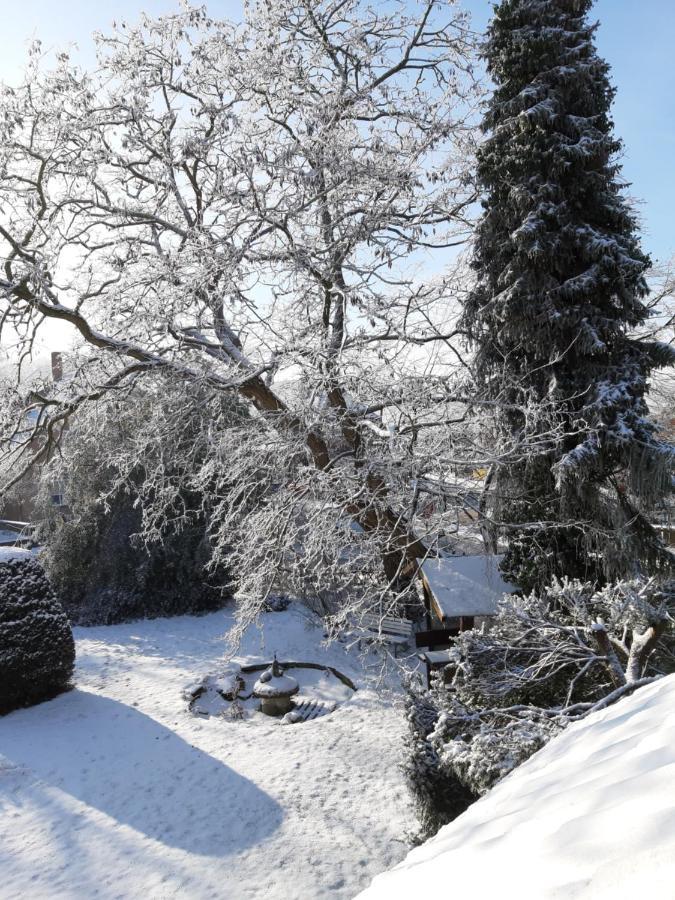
x=636, y=36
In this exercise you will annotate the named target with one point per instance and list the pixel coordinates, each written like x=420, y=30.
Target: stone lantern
x=275, y=690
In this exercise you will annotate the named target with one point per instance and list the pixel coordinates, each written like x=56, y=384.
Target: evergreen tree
x=560, y=291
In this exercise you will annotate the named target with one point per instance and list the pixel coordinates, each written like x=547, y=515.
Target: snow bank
x=7, y=553
x=591, y=815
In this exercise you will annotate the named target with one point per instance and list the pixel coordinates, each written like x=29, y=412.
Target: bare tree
x=246, y=209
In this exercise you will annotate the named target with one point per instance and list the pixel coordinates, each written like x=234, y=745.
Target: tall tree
x=243, y=208
x=560, y=291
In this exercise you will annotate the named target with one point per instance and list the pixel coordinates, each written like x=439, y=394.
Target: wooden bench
x=389, y=629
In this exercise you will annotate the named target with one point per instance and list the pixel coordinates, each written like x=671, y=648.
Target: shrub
x=133, y=537
x=438, y=795
x=547, y=660
x=277, y=603
x=37, y=651
x=104, y=575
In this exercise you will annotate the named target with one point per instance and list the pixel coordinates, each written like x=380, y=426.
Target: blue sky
x=636, y=36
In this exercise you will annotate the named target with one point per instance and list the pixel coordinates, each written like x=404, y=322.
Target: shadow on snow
x=116, y=759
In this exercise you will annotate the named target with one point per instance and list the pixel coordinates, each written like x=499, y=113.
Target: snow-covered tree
x=130, y=539
x=245, y=209
x=548, y=660
x=561, y=290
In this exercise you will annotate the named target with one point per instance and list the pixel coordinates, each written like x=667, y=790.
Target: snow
x=281, y=686
x=589, y=816
x=7, y=553
x=114, y=790
x=465, y=585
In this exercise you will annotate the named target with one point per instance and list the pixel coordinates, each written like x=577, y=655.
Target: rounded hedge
x=37, y=650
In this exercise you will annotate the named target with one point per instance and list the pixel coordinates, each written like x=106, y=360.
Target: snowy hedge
x=438, y=794
x=37, y=651
x=104, y=575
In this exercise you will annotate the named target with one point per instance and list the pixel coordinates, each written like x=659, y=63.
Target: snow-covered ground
x=591, y=816
x=114, y=790
x=7, y=553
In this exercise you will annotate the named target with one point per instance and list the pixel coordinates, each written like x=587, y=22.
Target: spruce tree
x=560, y=293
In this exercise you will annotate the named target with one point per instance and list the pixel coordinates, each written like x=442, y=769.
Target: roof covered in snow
x=465, y=585
x=591, y=816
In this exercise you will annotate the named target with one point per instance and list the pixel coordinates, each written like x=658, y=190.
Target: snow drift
x=591, y=815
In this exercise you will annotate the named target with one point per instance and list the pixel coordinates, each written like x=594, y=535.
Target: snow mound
x=591, y=815
x=7, y=553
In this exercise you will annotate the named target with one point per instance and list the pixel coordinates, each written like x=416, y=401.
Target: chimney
x=57, y=366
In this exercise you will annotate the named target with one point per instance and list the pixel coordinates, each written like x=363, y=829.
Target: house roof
x=465, y=585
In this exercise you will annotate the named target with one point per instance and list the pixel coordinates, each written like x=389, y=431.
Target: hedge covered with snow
x=103, y=576
x=37, y=651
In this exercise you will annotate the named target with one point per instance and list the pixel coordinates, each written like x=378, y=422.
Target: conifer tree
x=560, y=293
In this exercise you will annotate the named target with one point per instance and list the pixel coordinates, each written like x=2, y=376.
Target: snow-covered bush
x=478, y=747
x=127, y=546
x=438, y=794
x=106, y=575
x=277, y=603
x=568, y=647
x=37, y=651
x=546, y=661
